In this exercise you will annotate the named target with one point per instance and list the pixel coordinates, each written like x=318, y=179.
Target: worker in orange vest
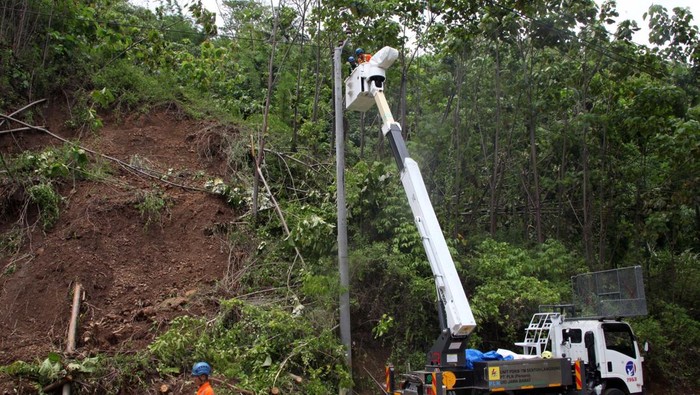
x=361, y=56
x=201, y=372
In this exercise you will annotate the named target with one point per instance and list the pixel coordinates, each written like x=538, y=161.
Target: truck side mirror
x=589, y=341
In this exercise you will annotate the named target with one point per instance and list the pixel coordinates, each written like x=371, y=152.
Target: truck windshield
x=619, y=337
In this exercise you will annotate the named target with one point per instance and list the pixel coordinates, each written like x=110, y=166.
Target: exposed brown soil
x=136, y=278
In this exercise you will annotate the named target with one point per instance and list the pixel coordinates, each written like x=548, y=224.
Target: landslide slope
x=136, y=275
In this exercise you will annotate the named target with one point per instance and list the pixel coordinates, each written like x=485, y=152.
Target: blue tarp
x=473, y=355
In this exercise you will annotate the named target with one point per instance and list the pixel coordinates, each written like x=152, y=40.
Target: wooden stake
x=73, y=327
x=274, y=391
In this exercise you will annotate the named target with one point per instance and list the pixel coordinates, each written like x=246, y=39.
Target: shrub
x=152, y=205
x=258, y=346
x=47, y=200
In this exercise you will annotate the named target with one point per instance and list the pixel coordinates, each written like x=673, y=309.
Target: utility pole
x=342, y=213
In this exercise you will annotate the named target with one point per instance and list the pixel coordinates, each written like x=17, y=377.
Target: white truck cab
x=608, y=349
x=601, y=340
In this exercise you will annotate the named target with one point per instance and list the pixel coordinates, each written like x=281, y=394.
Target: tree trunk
x=587, y=218
x=317, y=90
x=535, y=174
x=402, y=99
x=560, y=181
x=603, y=222
x=266, y=114
x=295, y=122
x=493, y=184
x=362, y=135
x=457, y=147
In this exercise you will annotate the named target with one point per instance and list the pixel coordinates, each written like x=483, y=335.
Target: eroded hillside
x=139, y=269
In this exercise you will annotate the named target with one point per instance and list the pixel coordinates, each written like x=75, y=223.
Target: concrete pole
x=342, y=213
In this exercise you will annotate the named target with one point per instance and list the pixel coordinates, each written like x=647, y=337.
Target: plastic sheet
x=473, y=355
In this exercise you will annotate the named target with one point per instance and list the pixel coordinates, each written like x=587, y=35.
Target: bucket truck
x=562, y=354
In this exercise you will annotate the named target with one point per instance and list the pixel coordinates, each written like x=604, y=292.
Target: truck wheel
x=614, y=391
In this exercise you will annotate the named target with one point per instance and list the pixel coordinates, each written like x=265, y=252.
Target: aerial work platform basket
x=612, y=293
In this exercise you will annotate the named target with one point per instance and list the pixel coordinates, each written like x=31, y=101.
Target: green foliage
x=315, y=135
x=321, y=288
x=376, y=204
x=153, y=205
x=511, y=283
x=51, y=369
x=673, y=337
x=674, y=35
x=120, y=372
x=10, y=243
x=175, y=348
x=383, y=326
x=84, y=115
x=256, y=345
x=67, y=161
x=310, y=231
x=125, y=86
x=47, y=200
x=665, y=267
x=233, y=196
x=397, y=290
x=37, y=178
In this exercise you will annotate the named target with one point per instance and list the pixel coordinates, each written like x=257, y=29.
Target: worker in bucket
x=361, y=56
x=352, y=62
x=201, y=372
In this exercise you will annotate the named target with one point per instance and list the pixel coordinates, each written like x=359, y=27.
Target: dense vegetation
x=550, y=147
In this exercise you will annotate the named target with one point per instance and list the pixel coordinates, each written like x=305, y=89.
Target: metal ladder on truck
x=537, y=333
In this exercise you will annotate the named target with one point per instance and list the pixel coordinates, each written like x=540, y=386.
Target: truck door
x=571, y=345
x=621, y=359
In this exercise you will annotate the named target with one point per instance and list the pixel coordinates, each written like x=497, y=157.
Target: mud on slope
x=136, y=279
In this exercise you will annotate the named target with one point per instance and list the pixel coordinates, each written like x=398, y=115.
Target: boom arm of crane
x=365, y=87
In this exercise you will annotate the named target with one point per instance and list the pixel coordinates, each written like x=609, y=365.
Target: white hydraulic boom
x=365, y=87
